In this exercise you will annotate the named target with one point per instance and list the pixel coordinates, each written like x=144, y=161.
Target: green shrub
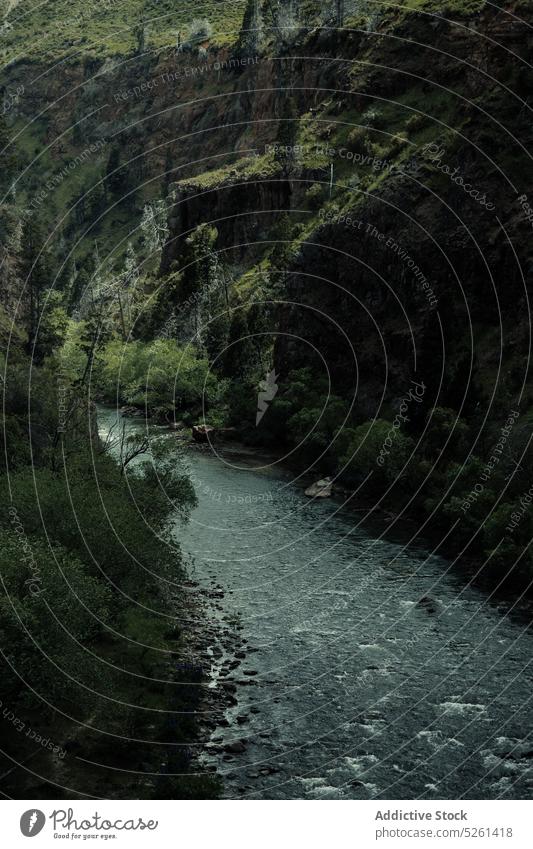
x=315, y=196
x=157, y=376
x=382, y=454
x=51, y=611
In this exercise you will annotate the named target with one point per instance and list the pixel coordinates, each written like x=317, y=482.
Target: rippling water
x=360, y=691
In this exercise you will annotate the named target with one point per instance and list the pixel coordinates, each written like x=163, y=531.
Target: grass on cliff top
x=58, y=29
x=449, y=7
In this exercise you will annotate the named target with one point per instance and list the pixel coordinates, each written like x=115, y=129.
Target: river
x=350, y=688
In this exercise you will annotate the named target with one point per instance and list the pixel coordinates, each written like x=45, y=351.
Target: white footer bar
x=268, y=825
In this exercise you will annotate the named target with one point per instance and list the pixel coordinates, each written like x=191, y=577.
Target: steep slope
x=384, y=218
x=365, y=184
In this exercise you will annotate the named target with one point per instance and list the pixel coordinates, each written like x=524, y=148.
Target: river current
x=371, y=668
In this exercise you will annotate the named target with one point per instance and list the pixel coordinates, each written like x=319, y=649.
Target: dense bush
x=158, y=376
x=380, y=453
x=87, y=564
x=50, y=614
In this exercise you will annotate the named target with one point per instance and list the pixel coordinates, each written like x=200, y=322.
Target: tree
x=258, y=324
x=138, y=32
x=96, y=277
x=130, y=274
x=251, y=30
x=34, y=267
x=200, y=268
x=286, y=21
x=216, y=330
x=238, y=355
x=67, y=276
x=7, y=158
x=14, y=242
x=114, y=174
x=167, y=173
x=380, y=454
x=95, y=200
x=53, y=324
x=79, y=286
x=122, y=288
x=96, y=330
x=287, y=134
x=51, y=609
x=199, y=30
x=154, y=225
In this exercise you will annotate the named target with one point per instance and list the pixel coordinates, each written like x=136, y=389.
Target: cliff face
x=243, y=213
x=155, y=103
x=413, y=248
x=414, y=260
x=410, y=299
x=171, y=116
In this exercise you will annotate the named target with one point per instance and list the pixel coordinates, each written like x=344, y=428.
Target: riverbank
x=367, y=658
x=447, y=530
x=338, y=659
x=390, y=521
x=201, y=647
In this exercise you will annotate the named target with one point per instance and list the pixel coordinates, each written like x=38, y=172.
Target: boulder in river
x=202, y=433
x=428, y=604
x=235, y=748
x=320, y=489
x=520, y=750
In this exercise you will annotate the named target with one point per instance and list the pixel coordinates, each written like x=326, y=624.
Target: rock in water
x=428, y=604
x=320, y=489
x=202, y=433
x=235, y=748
